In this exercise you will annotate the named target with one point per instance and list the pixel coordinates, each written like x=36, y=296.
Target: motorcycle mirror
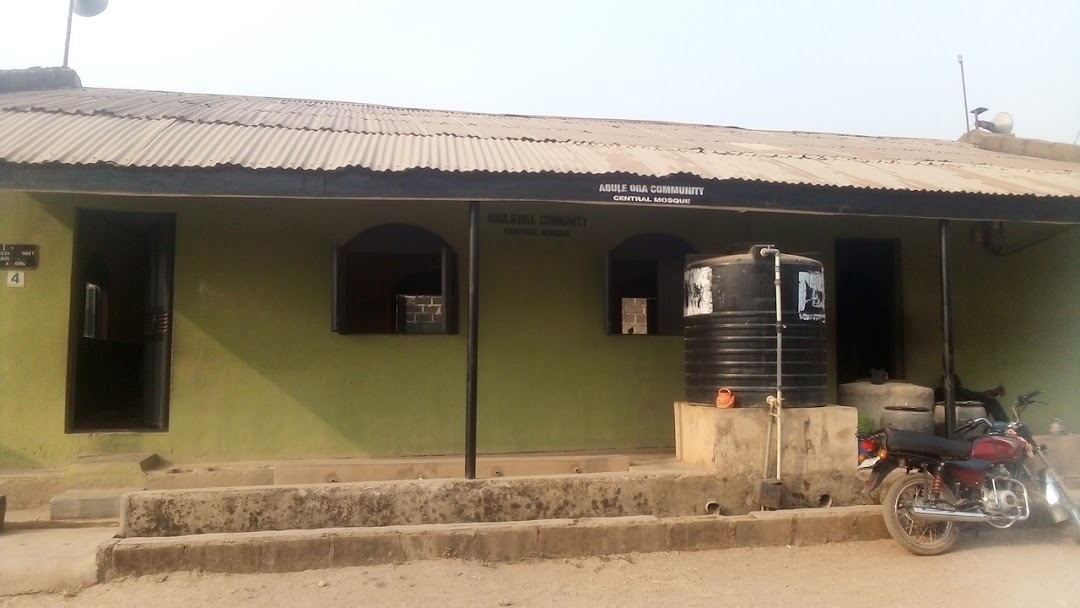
x=1028, y=398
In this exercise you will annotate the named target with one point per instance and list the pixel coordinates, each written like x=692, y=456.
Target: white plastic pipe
x=779, y=399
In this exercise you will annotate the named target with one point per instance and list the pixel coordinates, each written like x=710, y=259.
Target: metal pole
x=67, y=38
x=947, y=332
x=473, y=332
x=963, y=84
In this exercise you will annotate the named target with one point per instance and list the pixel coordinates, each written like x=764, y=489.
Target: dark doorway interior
x=121, y=321
x=869, y=325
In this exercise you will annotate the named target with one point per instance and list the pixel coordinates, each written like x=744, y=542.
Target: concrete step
x=32, y=488
x=431, y=501
x=351, y=470
x=296, y=550
x=41, y=519
x=87, y=504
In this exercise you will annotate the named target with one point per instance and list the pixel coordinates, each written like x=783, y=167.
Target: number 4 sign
x=16, y=278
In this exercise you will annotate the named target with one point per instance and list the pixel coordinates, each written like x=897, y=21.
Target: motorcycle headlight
x=1052, y=495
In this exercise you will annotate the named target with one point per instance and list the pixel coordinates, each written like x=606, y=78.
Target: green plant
x=866, y=425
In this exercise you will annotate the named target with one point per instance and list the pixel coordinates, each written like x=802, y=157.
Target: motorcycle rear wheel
x=917, y=537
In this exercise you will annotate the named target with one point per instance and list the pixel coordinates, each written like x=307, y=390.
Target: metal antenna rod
x=67, y=38
x=963, y=85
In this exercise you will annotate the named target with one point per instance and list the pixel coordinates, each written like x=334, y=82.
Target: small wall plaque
x=18, y=257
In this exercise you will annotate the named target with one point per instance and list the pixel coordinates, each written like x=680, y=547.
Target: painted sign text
x=529, y=224
x=660, y=194
x=23, y=257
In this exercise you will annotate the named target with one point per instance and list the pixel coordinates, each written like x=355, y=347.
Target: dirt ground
x=997, y=568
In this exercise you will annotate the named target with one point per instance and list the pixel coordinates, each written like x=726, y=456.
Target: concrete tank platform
x=820, y=452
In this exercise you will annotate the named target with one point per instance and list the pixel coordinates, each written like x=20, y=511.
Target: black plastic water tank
x=729, y=314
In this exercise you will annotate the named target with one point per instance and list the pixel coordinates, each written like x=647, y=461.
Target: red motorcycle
x=992, y=479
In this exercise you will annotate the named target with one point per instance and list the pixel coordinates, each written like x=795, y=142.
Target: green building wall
x=258, y=374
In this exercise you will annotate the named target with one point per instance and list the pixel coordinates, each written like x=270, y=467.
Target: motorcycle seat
x=897, y=440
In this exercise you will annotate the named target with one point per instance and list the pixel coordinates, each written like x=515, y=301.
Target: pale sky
x=866, y=67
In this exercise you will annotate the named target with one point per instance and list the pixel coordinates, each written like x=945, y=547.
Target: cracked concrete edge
x=297, y=550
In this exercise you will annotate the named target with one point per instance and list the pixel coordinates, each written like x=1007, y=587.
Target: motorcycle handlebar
x=970, y=424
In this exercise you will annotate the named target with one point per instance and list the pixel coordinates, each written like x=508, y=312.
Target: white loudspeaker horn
x=1002, y=123
x=90, y=8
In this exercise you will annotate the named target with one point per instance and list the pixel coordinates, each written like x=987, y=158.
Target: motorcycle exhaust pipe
x=939, y=515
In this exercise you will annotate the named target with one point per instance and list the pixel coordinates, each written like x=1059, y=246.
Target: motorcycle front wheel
x=917, y=537
x=1072, y=524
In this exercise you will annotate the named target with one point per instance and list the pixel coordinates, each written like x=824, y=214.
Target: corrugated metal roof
x=157, y=129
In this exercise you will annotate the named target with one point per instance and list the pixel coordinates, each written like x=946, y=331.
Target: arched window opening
x=645, y=285
x=395, y=279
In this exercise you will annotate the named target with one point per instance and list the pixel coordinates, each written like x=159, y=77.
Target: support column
x=473, y=332
x=947, y=332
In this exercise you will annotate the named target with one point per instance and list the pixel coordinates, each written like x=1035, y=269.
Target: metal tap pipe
x=779, y=350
